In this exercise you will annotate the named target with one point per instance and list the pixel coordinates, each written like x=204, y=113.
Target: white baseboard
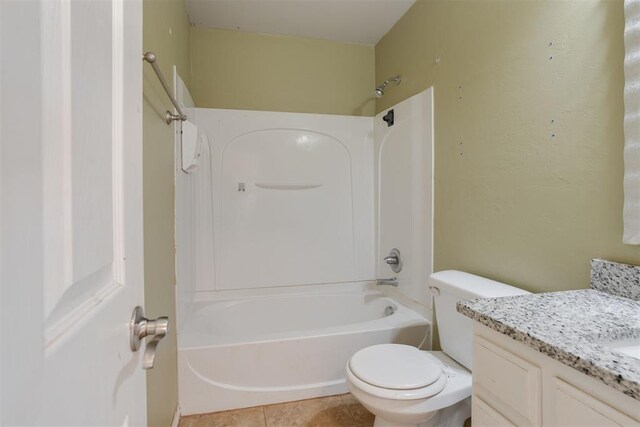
x=176, y=416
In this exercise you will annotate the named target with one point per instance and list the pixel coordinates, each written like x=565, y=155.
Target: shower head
x=379, y=92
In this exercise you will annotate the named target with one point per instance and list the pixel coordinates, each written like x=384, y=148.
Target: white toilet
x=404, y=386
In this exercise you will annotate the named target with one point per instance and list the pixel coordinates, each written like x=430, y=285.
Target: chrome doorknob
x=140, y=328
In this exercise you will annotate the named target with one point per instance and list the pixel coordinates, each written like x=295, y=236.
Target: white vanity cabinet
x=514, y=385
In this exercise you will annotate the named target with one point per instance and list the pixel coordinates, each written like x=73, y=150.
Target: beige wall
x=247, y=71
x=166, y=33
x=528, y=131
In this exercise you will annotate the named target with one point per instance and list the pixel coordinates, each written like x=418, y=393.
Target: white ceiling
x=355, y=21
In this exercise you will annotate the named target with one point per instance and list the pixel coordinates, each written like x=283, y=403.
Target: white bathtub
x=242, y=352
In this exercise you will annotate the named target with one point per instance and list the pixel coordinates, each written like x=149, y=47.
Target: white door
x=71, y=212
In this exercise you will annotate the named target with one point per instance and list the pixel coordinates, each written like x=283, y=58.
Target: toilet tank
x=455, y=329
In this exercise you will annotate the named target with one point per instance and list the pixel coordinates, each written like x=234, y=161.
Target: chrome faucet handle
x=394, y=259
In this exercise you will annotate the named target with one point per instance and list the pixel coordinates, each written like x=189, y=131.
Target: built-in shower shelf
x=272, y=186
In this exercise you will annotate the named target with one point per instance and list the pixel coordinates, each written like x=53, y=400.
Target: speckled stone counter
x=615, y=278
x=570, y=327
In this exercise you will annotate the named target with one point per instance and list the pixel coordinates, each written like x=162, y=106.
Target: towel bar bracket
x=170, y=117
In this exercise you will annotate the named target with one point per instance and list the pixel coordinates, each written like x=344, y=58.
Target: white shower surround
x=325, y=322
x=292, y=198
x=404, y=193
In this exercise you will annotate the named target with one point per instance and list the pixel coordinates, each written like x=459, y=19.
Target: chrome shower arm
x=380, y=89
x=395, y=79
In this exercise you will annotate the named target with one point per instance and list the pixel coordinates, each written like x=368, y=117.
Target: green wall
x=528, y=130
x=166, y=32
x=528, y=133
x=248, y=71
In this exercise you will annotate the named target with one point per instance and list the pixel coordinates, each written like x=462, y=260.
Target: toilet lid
x=395, y=366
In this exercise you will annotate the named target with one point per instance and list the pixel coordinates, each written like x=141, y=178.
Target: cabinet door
x=483, y=415
x=577, y=408
x=500, y=375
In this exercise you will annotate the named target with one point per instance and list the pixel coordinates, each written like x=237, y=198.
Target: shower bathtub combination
x=249, y=351
x=277, y=237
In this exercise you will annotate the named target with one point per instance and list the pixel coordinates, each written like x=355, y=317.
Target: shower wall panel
x=404, y=192
x=186, y=202
x=292, y=198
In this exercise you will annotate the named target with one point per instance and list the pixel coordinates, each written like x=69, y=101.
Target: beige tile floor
x=331, y=411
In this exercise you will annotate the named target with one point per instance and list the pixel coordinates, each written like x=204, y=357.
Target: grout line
x=355, y=422
x=264, y=415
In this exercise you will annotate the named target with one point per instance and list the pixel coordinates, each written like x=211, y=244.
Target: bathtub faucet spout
x=387, y=282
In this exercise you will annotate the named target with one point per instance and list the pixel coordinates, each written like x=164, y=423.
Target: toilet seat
x=395, y=371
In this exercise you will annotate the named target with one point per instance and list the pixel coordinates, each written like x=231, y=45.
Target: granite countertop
x=572, y=327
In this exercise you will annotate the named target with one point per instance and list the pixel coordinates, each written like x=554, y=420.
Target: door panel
x=79, y=141
x=71, y=195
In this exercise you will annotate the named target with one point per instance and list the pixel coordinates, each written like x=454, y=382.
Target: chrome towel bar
x=150, y=57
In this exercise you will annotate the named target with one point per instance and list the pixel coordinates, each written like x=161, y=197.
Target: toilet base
x=452, y=416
